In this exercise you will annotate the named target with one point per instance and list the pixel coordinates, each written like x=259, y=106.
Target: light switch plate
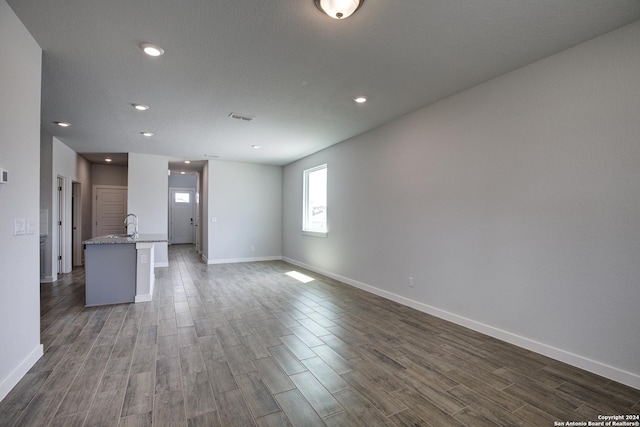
x=31, y=226
x=19, y=226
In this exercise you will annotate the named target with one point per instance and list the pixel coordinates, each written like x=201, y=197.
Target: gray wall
x=515, y=206
x=183, y=181
x=20, y=76
x=109, y=175
x=246, y=201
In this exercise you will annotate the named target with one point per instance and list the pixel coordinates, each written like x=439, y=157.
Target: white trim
x=315, y=233
x=237, y=260
x=47, y=279
x=20, y=371
x=161, y=264
x=628, y=378
x=306, y=228
x=143, y=298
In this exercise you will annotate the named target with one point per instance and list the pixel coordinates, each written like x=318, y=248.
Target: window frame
x=306, y=228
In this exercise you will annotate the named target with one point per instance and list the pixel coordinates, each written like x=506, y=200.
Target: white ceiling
x=284, y=62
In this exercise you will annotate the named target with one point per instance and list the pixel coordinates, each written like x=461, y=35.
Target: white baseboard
x=48, y=279
x=16, y=375
x=161, y=264
x=143, y=298
x=611, y=372
x=236, y=260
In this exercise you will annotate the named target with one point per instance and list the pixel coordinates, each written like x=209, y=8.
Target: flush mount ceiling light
x=360, y=99
x=187, y=161
x=108, y=160
x=63, y=124
x=140, y=107
x=152, y=49
x=338, y=9
x=256, y=146
x=147, y=134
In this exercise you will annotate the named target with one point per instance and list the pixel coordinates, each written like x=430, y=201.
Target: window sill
x=315, y=233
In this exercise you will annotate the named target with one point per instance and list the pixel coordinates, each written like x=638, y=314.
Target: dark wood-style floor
x=245, y=344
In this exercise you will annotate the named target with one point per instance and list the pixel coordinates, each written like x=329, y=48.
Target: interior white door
x=181, y=216
x=110, y=209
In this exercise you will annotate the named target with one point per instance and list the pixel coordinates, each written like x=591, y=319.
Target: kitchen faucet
x=133, y=221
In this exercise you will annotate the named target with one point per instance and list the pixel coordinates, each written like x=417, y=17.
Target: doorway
x=182, y=214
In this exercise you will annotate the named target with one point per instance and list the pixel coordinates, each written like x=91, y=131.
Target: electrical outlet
x=410, y=282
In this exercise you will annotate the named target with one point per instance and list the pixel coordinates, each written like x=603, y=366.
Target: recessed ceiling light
x=147, y=134
x=108, y=160
x=140, y=107
x=360, y=99
x=187, y=161
x=63, y=124
x=256, y=146
x=182, y=173
x=152, y=49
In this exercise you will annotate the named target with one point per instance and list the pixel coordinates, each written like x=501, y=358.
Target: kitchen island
x=119, y=268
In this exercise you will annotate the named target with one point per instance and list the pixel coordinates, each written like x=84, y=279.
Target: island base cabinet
x=110, y=274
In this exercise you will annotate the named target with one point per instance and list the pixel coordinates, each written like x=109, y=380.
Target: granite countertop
x=140, y=238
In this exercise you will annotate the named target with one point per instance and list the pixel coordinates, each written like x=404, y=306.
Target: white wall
x=20, y=65
x=246, y=202
x=515, y=206
x=72, y=167
x=148, y=198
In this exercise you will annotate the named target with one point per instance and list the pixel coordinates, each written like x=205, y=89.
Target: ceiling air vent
x=243, y=117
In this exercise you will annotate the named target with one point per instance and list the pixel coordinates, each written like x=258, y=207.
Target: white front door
x=181, y=216
x=109, y=209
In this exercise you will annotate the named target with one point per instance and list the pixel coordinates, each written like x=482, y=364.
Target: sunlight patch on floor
x=299, y=276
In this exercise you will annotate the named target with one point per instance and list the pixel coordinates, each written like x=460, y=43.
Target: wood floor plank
x=277, y=419
x=259, y=400
x=382, y=400
x=233, y=410
x=319, y=397
x=220, y=375
x=327, y=376
x=106, y=408
x=169, y=410
x=42, y=408
x=287, y=361
x=297, y=347
x=168, y=375
x=139, y=396
x=254, y=347
x=297, y=409
x=273, y=375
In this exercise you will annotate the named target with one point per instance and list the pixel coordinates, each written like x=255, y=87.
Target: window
x=314, y=220
x=181, y=197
